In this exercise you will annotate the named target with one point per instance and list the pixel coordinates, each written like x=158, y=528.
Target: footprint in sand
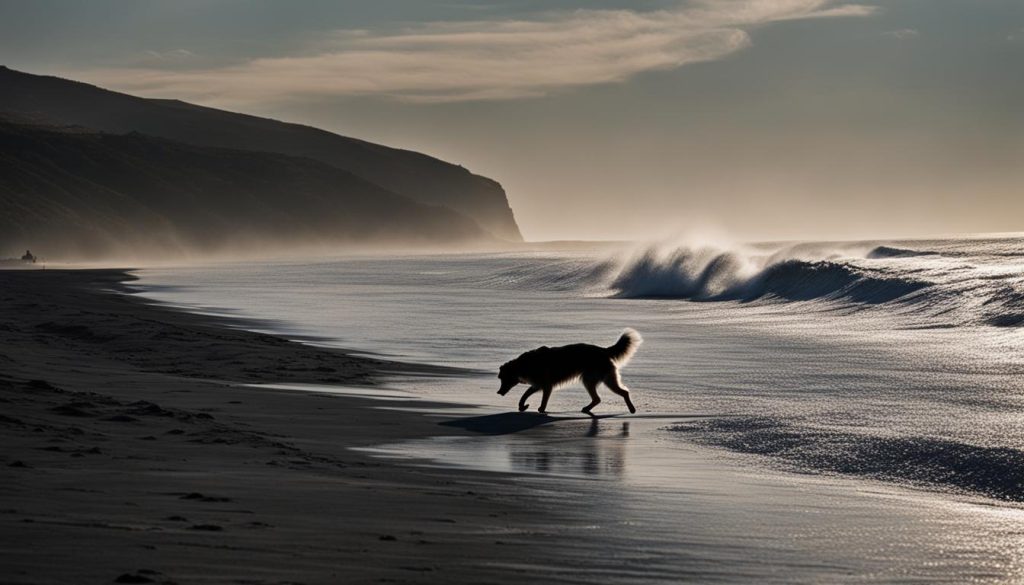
x=203, y=498
x=133, y=578
x=121, y=418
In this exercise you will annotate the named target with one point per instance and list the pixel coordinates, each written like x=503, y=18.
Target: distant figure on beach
x=28, y=257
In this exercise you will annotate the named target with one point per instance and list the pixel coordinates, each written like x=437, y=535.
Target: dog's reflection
x=603, y=454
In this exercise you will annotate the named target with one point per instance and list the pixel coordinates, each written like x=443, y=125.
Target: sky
x=760, y=119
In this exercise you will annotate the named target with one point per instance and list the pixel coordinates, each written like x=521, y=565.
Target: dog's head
x=508, y=373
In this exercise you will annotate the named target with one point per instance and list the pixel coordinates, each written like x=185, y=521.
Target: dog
x=547, y=368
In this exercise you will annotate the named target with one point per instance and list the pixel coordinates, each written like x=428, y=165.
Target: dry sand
x=132, y=453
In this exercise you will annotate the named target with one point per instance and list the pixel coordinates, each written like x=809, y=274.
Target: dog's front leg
x=544, y=400
x=522, y=401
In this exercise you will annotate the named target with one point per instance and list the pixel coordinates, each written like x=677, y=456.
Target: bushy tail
x=625, y=347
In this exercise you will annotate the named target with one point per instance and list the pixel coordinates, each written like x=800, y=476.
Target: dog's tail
x=625, y=347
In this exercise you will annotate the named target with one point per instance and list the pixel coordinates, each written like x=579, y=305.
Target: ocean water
x=805, y=391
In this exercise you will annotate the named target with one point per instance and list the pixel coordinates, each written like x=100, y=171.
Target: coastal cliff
x=73, y=193
x=412, y=175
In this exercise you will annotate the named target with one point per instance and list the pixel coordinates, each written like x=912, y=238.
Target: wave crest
x=937, y=284
x=708, y=274
x=894, y=252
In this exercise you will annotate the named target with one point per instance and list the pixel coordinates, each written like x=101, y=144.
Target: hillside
x=411, y=174
x=76, y=193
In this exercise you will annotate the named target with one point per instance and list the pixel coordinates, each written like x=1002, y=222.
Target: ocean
x=835, y=410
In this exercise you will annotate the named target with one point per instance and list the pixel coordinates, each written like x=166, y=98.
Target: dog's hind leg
x=615, y=385
x=544, y=400
x=522, y=401
x=591, y=387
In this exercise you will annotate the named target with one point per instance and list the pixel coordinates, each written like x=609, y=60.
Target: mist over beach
x=457, y=292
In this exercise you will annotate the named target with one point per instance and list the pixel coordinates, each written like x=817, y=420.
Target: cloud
x=483, y=59
x=172, y=59
x=903, y=34
x=172, y=55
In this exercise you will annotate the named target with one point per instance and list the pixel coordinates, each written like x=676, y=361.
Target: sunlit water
x=891, y=373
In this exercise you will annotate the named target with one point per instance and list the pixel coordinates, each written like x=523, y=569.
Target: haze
x=612, y=120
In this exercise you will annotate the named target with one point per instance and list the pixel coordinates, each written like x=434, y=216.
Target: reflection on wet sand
x=584, y=446
x=560, y=444
x=604, y=456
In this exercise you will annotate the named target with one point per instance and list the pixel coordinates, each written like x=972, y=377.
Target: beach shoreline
x=143, y=443
x=135, y=449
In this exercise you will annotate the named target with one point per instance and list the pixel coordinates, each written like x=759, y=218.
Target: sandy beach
x=143, y=443
x=132, y=454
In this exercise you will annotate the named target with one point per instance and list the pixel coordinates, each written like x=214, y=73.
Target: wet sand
x=144, y=444
x=133, y=452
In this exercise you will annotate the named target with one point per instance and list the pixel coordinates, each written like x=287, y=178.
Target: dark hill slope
x=70, y=193
x=412, y=174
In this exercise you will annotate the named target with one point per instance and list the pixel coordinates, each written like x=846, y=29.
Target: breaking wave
x=956, y=284
x=935, y=284
x=712, y=275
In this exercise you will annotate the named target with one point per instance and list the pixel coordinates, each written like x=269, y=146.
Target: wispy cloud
x=172, y=55
x=903, y=34
x=484, y=59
